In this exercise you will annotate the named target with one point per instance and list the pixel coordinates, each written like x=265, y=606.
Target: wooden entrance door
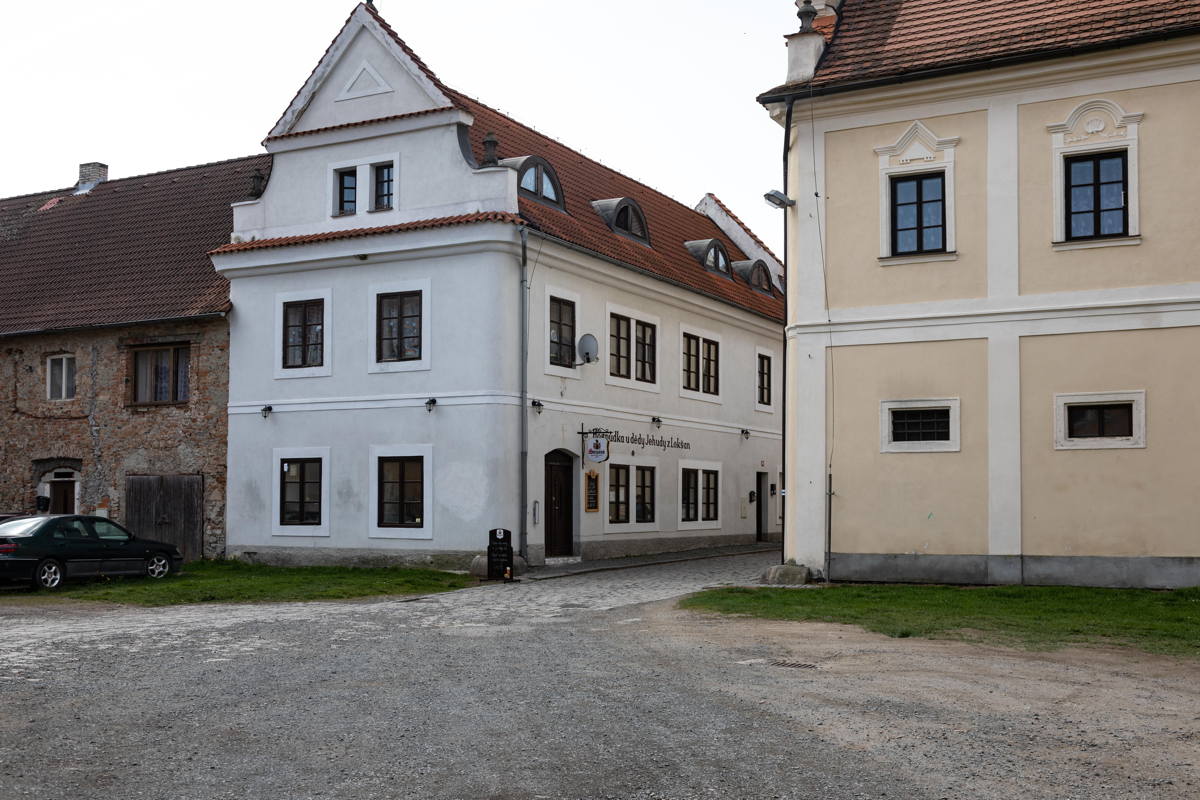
x=560, y=529
x=167, y=508
x=762, y=506
x=62, y=497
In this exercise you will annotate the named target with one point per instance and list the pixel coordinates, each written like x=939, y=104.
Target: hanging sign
x=596, y=449
x=591, y=491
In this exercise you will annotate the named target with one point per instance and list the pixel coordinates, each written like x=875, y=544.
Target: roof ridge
x=744, y=227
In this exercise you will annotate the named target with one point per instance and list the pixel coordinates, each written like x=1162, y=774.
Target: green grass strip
x=238, y=582
x=1033, y=617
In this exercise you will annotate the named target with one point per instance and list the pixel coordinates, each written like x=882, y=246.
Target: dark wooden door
x=560, y=534
x=62, y=497
x=762, y=506
x=167, y=508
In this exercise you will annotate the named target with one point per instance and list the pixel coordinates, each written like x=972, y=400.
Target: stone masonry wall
x=100, y=432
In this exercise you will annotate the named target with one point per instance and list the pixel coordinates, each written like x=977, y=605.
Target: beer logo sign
x=596, y=449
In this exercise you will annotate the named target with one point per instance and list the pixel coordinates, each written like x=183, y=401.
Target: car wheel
x=158, y=566
x=48, y=575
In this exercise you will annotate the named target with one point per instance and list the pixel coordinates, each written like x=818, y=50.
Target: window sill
x=917, y=258
x=379, y=209
x=337, y=214
x=1088, y=244
x=149, y=406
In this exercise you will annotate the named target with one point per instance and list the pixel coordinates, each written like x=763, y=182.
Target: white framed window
x=699, y=501
x=300, y=494
x=398, y=474
x=398, y=342
x=290, y=300
x=920, y=426
x=918, y=152
x=631, y=349
x=764, y=380
x=1096, y=126
x=699, y=364
x=1100, y=420
x=60, y=377
x=633, y=488
x=562, y=312
x=364, y=184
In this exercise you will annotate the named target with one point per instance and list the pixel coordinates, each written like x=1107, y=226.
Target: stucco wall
x=925, y=503
x=1126, y=502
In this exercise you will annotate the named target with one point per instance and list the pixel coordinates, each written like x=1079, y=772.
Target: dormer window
x=625, y=217
x=756, y=274
x=537, y=180
x=711, y=254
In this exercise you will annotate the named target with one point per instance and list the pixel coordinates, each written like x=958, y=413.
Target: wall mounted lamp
x=745, y=434
x=656, y=421
x=430, y=403
x=266, y=411
x=778, y=199
x=537, y=406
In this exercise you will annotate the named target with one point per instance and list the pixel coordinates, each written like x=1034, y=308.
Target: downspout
x=787, y=149
x=523, y=470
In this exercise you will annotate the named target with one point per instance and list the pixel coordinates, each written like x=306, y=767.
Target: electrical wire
x=812, y=122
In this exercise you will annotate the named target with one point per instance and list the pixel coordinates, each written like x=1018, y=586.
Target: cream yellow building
x=994, y=291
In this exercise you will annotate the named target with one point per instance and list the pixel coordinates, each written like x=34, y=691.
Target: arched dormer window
x=625, y=217
x=711, y=254
x=537, y=180
x=756, y=274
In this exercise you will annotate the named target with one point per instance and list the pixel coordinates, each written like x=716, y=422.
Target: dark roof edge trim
x=204, y=316
x=807, y=90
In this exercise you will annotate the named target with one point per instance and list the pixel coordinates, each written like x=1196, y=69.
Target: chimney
x=93, y=172
x=805, y=46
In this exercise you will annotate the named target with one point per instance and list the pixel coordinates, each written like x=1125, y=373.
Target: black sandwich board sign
x=500, y=555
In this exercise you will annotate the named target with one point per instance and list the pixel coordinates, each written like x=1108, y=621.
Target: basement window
x=919, y=426
x=1100, y=420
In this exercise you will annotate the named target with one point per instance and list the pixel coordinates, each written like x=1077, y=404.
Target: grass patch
x=1034, y=617
x=239, y=582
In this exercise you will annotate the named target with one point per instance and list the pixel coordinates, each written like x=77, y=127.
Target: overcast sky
x=662, y=90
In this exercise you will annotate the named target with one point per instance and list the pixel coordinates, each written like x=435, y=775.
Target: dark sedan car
x=46, y=550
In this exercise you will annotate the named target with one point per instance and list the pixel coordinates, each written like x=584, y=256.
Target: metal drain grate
x=793, y=665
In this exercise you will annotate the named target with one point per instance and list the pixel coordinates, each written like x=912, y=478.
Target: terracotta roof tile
x=743, y=226
x=130, y=250
x=881, y=40
x=358, y=233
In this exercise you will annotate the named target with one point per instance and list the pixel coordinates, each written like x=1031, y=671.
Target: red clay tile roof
x=358, y=233
x=886, y=40
x=131, y=250
x=743, y=226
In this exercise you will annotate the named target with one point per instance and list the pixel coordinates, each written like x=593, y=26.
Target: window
x=690, y=495
x=401, y=492
x=109, y=531
x=303, y=334
x=646, y=352
x=764, y=380
x=300, y=491
x=631, y=222
x=60, y=377
x=1096, y=196
x=383, y=174
x=160, y=375
x=645, y=495
x=919, y=426
x=710, y=367
x=760, y=277
x=398, y=327
x=618, y=346
x=710, y=501
x=918, y=214
x=1100, y=421
x=691, y=362
x=562, y=333
x=716, y=258
x=347, y=191
x=539, y=182
x=618, y=493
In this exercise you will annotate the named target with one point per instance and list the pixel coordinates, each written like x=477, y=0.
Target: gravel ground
x=592, y=686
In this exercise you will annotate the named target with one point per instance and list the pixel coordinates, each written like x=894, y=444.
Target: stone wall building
x=114, y=348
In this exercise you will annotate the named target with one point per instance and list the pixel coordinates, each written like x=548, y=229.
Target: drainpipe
x=787, y=149
x=523, y=470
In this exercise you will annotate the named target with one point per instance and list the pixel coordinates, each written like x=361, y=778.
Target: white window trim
x=1065, y=142
x=554, y=369
x=917, y=149
x=425, y=362
x=763, y=351
x=700, y=524
x=374, y=531
x=364, y=184
x=633, y=462
x=721, y=360
x=278, y=456
x=634, y=318
x=326, y=368
x=1063, y=442
x=63, y=357
x=887, y=445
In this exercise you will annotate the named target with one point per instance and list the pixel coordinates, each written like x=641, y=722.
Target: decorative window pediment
x=917, y=145
x=918, y=151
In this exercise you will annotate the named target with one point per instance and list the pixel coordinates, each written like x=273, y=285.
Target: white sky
x=662, y=90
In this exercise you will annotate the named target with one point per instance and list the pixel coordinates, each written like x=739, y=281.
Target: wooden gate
x=168, y=508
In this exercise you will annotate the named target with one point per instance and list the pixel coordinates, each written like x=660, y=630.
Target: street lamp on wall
x=266, y=411
x=656, y=421
x=537, y=406
x=745, y=434
x=430, y=403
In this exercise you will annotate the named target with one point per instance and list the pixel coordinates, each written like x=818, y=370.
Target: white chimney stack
x=806, y=45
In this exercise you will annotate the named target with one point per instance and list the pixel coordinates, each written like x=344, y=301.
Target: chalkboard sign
x=500, y=555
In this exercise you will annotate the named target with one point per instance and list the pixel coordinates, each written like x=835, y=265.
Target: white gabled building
x=409, y=296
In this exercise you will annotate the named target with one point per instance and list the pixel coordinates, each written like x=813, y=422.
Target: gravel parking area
x=592, y=686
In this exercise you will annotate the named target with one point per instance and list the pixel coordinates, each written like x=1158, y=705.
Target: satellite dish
x=588, y=348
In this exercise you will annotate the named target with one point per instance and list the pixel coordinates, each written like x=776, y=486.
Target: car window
x=20, y=527
x=73, y=530
x=109, y=531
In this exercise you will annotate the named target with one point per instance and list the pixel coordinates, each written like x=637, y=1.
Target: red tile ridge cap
x=374, y=121
x=744, y=227
x=357, y=233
